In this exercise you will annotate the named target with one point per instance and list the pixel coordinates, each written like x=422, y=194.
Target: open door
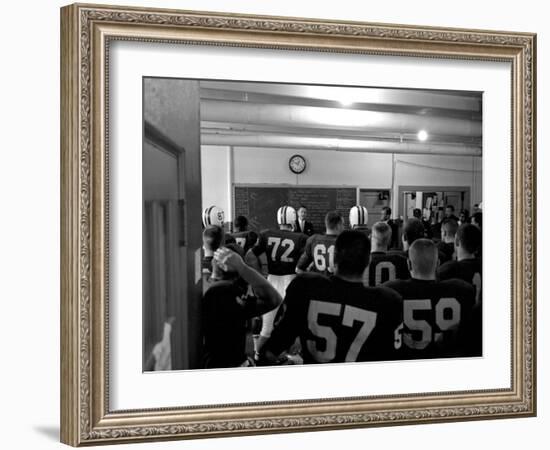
x=172, y=241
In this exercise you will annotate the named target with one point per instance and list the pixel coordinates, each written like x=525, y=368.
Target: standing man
x=302, y=225
x=386, y=217
x=282, y=247
x=446, y=246
x=358, y=219
x=450, y=214
x=437, y=315
x=243, y=237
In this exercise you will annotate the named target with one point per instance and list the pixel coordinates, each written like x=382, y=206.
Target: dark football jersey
x=245, y=239
x=468, y=270
x=282, y=249
x=337, y=320
x=446, y=251
x=387, y=267
x=226, y=307
x=435, y=315
x=363, y=229
x=319, y=251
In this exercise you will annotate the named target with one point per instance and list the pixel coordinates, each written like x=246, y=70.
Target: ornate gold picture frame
x=87, y=31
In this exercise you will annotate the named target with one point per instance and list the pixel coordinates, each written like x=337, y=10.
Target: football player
x=214, y=215
x=436, y=314
x=338, y=319
x=246, y=239
x=467, y=266
x=358, y=219
x=283, y=248
x=240, y=294
x=412, y=230
x=319, y=250
x=384, y=266
x=446, y=246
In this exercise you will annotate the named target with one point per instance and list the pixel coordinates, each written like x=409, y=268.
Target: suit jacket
x=308, y=228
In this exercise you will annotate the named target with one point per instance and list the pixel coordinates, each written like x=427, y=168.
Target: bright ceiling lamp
x=422, y=135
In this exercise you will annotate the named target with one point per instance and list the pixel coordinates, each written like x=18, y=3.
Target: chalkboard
x=260, y=204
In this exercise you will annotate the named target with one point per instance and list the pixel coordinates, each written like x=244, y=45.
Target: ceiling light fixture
x=422, y=135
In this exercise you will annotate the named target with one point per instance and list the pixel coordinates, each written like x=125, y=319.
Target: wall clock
x=297, y=164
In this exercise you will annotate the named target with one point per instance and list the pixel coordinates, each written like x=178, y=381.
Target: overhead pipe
x=337, y=144
x=334, y=118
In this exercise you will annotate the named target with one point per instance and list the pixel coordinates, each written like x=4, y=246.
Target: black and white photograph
x=335, y=224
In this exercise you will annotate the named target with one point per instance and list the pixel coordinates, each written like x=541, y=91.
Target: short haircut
x=450, y=226
x=302, y=206
x=423, y=255
x=469, y=237
x=417, y=212
x=381, y=232
x=212, y=237
x=352, y=253
x=478, y=216
x=413, y=230
x=333, y=219
x=451, y=207
x=241, y=222
x=386, y=210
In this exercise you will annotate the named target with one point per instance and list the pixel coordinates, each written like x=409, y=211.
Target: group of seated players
x=340, y=296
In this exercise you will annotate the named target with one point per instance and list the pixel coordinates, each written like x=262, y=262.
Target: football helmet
x=286, y=215
x=358, y=215
x=213, y=216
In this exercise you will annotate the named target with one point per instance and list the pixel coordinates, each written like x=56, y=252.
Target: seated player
x=467, y=266
x=319, y=252
x=358, y=219
x=436, y=314
x=412, y=231
x=246, y=239
x=338, y=319
x=283, y=248
x=241, y=293
x=384, y=266
x=446, y=246
x=214, y=215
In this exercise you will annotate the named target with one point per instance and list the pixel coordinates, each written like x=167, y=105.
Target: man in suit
x=302, y=225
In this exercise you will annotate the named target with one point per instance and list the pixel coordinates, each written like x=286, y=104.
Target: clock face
x=297, y=164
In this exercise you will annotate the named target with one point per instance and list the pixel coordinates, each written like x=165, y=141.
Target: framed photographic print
x=276, y=224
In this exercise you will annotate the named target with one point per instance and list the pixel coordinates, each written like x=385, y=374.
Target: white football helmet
x=212, y=216
x=286, y=215
x=358, y=215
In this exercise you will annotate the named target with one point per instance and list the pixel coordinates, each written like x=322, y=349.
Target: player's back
x=225, y=310
x=245, y=239
x=436, y=315
x=469, y=270
x=282, y=248
x=338, y=320
x=387, y=267
x=319, y=253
